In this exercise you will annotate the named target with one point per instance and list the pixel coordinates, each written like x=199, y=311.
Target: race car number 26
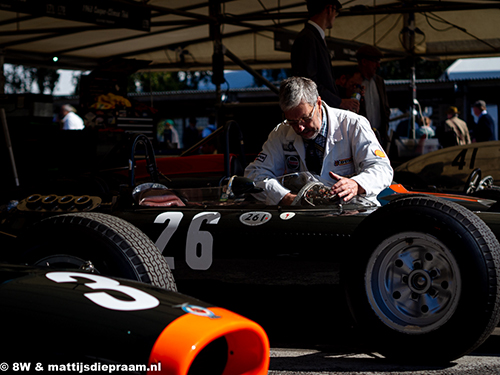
x=199, y=243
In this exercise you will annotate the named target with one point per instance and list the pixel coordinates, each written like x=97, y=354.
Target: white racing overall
x=352, y=150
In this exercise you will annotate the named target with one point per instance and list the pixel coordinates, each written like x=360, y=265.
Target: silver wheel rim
x=65, y=261
x=413, y=283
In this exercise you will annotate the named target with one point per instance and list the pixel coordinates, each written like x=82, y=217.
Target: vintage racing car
x=75, y=321
x=416, y=270
x=463, y=169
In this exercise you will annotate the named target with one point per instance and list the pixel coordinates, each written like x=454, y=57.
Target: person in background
x=484, y=129
x=70, y=120
x=310, y=56
x=375, y=106
x=425, y=130
x=167, y=135
x=338, y=146
x=454, y=131
x=174, y=139
x=210, y=128
x=350, y=83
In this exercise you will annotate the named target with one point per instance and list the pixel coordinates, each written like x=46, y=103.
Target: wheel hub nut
x=420, y=281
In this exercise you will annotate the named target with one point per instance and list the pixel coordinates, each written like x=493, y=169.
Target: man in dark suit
x=484, y=130
x=375, y=106
x=311, y=57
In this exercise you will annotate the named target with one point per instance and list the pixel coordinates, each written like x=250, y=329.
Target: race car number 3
x=140, y=300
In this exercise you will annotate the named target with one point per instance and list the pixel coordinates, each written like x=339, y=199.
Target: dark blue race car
x=416, y=270
x=75, y=321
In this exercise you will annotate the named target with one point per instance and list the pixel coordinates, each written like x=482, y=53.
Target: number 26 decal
x=199, y=243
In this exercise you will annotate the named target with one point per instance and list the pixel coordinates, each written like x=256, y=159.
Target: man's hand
x=345, y=187
x=287, y=200
x=350, y=104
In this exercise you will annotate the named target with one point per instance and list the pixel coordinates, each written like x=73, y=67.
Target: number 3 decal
x=141, y=300
x=199, y=243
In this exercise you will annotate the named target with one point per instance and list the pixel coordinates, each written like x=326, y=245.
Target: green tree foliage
x=46, y=79
x=273, y=75
x=20, y=79
x=424, y=69
x=76, y=78
x=166, y=81
x=399, y=69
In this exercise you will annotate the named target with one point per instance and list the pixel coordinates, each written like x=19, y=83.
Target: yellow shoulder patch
x=380, y=153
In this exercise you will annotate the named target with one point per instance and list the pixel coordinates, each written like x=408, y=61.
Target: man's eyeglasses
x=305, y=119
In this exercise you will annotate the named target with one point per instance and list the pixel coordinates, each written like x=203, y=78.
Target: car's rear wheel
x=98, y=243
x=424, y=280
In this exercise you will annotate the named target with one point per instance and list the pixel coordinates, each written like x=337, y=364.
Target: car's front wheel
x=423, y=281
x=98, y=243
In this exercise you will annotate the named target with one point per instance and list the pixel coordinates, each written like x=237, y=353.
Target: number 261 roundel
x=255, y=218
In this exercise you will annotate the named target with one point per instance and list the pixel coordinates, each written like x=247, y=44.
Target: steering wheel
x=485, y=183
x=473, y=182
x=314, y=194
x=150, y=159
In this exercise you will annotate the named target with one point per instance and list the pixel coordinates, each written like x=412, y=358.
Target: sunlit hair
x=68, y=108
x=295, y=90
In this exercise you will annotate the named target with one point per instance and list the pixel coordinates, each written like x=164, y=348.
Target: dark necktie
x=314, y=157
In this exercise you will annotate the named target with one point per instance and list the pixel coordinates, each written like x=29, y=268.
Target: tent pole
x=3, y=119
x=5, y=127
x=2, y=76
x=218, y=55
x=413, y=87
x=409, y=45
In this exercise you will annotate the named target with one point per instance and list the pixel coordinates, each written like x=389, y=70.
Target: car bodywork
x=414, y=269
x=103, y=324
x=448, y=169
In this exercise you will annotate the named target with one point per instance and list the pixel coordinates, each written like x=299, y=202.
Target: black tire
x=113, y=246
x=423, y=282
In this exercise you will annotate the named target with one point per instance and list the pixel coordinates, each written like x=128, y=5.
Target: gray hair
x=295, y=90
x=68, y=108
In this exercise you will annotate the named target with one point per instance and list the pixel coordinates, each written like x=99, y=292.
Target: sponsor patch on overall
x=341, y=162
x=261, y=157
x=292, y=163
x=288, y=147
x=379, y=153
